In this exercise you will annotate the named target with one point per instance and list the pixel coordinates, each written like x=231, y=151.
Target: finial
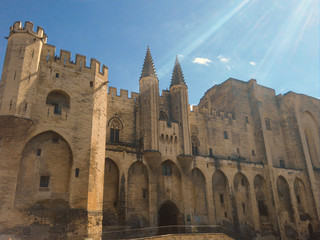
x=148, y=69
x=177, y=75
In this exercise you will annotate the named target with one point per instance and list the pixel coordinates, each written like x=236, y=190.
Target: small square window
x=38, y=152
x=44, y=181
x=57, y=75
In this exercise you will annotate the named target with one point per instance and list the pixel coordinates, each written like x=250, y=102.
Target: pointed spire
x=177, y=75
x=148, y=69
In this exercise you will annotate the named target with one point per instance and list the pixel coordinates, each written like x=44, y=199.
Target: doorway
x=168, y=214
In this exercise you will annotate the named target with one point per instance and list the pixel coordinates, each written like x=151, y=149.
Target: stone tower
x=180, y=107
x=149, y=105
x=20, y=69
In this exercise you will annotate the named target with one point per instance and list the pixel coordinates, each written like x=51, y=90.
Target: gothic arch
x=110, y=193
x=168, y=214
x=285, y=202
x=115, y=127
x=243, y=201
x=263, y=200
x=115, y=122
x=221, y=199
x=45, y=166
x=311, y=131
x=138, y=195
x=169, y=183
x=198, y=195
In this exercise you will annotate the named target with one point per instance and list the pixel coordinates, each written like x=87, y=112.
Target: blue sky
x=274, y=41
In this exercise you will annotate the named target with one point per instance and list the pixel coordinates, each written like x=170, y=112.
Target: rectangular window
x=268, y=124
x=253, y=153
x=57, y=109
x=166, y=170
x=114, y=135
x=194, y=150
x=91, y=84
x=247, y=119
x=210, y=152
x=57, y=75
x=44, y=181
x=243, y=207
x=77, y=172
x=238, y=150
x=282, y=165
x=38, y=152
x=144, y=193
x=262, y=208
x=298, y=199
x=225, y=134
x=221, y=198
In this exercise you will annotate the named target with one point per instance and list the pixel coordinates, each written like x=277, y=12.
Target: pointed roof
x=177, y=75
x=148, y=69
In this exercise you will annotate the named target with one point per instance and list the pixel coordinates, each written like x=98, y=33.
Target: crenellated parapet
x=80, y=64
x=123, y=97
x=213, y=114
x=28, y=28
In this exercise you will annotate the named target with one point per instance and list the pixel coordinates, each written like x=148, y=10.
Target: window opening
x=282, y=165
x=221, y=198
x=243, y=207
x=57, y=75
x=253, y=153
x=38, y=152
x=262, y=208
x=210, y=152
x=166, y=170
x=268, y=124
x=77, y=172
x=91, y=84
x=44, y=181
x=144, y=193
x=225, y=134
x=48, y=56
x=247, y=119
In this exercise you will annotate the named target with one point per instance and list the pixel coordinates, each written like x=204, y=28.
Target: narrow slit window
x=77, y=172
x=38, y=152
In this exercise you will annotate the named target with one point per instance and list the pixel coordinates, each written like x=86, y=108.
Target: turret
x=180, y=107
x=149, y=105
x=20, y=70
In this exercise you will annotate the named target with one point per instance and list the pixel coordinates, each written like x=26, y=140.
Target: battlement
x=64, y=59
x=124, y=95
x=28, y=28
x=213, y=114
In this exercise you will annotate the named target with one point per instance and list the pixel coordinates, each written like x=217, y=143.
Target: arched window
x=115, y=127
x=163, y=116
x=195, y=145
x=58, y=99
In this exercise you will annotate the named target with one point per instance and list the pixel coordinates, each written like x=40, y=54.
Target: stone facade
x=77, y=160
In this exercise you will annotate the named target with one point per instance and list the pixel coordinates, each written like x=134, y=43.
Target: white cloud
x=225, y=61
x=252, y=63
x=204, y=61
x=180, y=56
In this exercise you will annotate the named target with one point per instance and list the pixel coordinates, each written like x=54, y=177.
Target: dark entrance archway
x=168, y=214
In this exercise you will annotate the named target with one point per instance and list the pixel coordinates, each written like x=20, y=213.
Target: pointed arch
x=110, y=193
x=285, y=202
x=168, y=213
x=221, y=198
x=243, y=201
x=311, y=131
x=138, y=195
x=45, y=166
x=163, y=116
x=198, y=195
x=302, y=199
x=169, y=183
x=115, y=125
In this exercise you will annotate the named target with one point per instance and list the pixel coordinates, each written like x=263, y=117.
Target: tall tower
x=149, y=105
x=180, y=107
x=20, y=70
